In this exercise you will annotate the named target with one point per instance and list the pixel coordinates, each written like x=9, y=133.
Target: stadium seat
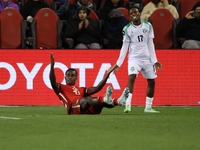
x=46, y=29
x=164, y=25
x=12, y=29
x=125, y=12
x=186, y=6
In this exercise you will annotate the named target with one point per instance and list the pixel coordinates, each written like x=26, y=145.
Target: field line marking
x=3, y=117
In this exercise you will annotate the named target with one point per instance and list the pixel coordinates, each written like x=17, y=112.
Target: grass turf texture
x=49, y=127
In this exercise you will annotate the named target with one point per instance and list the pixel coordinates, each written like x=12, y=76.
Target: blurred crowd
x=103, y=29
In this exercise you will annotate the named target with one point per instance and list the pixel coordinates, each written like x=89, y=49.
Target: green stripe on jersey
x=149, y=24
x=126, y=27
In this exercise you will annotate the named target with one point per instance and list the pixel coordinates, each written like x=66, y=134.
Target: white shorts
x=148, y=70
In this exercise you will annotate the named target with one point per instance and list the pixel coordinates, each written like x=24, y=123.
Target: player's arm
x=93, y=90
x=121, y=58
x=54, y=84
x=124, y=49
x=154, y=60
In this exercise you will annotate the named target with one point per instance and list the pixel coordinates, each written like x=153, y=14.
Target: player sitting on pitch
x=77, y=100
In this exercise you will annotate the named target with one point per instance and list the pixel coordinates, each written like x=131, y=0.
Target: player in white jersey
x=138, y=38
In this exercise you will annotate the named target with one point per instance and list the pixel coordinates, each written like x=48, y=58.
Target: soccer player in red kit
x=77, y=100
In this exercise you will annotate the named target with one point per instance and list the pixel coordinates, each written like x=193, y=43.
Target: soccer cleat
x=150, y=110
x=108, y=99
x=127, y=109
x=122, y=99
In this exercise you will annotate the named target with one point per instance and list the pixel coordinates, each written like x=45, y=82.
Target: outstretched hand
x=158, y=65
x=52, y=60
x=114, y=68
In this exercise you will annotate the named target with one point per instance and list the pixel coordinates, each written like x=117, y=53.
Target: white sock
x=128, y=101
x=148, y=102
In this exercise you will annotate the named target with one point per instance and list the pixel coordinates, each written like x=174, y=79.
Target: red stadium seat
x=164, y=25
x=125, y=12
x=12, y=29
x=186, y=6
x=47, y=29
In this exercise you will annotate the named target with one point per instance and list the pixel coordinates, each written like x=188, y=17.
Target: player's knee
x=151, y=82
x=132, y=78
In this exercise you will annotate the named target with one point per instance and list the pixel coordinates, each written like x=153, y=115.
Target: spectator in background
x=137, y=3
x=110, y=5
x=156, y=4
x=189, y=28
x=113, y=29
x=61, y=1
x=32, y=6
x=173, y=2
x=85, y=31
x=61, y=12
x=8, y=4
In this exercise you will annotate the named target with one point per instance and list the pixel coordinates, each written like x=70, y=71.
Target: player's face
x=134, y=15
x=70, y=77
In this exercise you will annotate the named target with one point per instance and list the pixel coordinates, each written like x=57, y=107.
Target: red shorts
x=75, y=109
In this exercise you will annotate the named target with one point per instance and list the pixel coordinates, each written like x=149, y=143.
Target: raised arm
x=93, y=90
x=54, y=84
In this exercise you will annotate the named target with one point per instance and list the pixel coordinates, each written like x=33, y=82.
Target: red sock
x=115, y=102
x=100, y=100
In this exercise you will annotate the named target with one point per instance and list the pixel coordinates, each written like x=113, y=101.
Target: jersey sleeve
x=125, y=46
x=152, y=53
x=151, y=32
x=85, y=92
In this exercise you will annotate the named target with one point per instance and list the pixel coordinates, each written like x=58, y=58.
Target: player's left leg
x=150, y=95
x=149, y=72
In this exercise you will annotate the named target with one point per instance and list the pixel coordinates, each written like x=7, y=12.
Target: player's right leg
x=122, y=99
x=131, y=81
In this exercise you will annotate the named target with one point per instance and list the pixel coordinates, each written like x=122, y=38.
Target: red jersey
x=69, y=95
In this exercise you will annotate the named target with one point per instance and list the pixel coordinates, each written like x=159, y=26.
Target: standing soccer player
x=77, y=100
x=138, y=38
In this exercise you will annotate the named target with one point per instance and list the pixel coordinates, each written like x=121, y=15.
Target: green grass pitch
x=50, y=128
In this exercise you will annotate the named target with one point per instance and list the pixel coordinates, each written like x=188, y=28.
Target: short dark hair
x=72, y=70
x=133, y=7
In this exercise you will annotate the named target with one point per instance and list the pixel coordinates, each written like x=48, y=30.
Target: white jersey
x=139, y=41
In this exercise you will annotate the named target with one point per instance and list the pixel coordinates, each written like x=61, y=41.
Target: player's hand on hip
x=158, y=65
x=52, y=60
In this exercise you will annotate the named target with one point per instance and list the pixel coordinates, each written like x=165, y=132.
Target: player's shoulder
x=146, y=23
x=125, y=29
x=127, y=26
